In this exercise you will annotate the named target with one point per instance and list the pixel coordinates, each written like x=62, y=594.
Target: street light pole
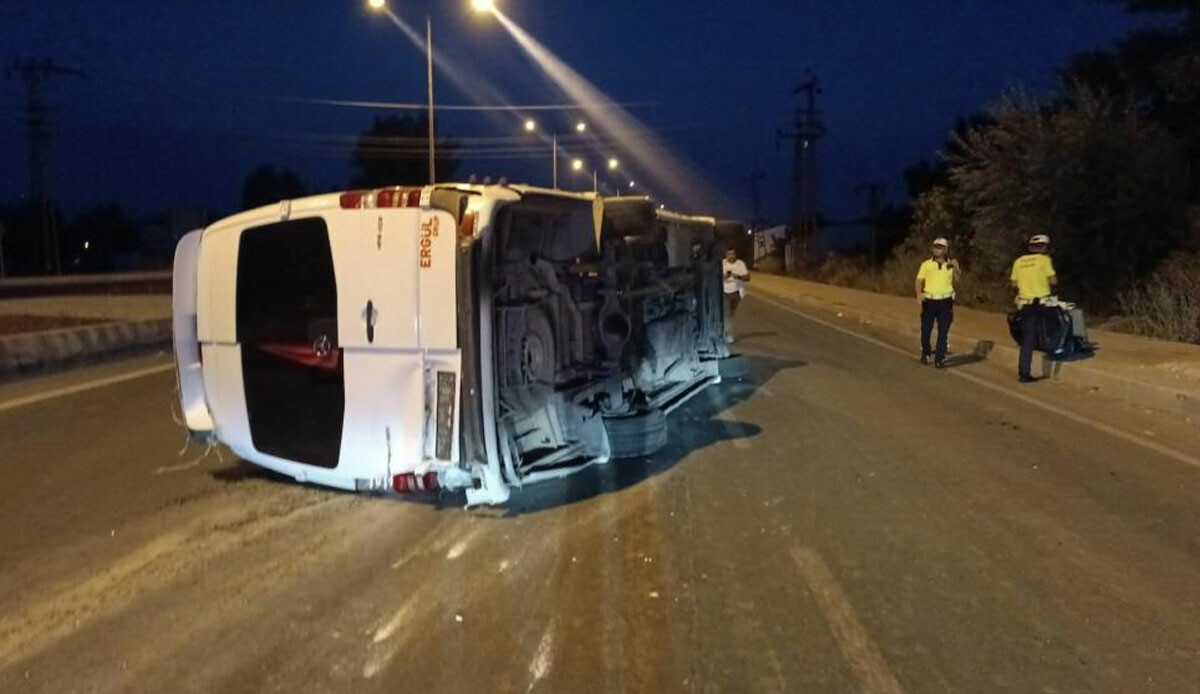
x=381, y=6
x=429, y=79
x=531, y=126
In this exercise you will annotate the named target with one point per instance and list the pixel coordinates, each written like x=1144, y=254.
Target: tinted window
x=551, y=228
x=295, y=411
x=286, y=291
x=287, y=294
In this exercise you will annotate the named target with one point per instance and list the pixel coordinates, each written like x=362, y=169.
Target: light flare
x=667, y=171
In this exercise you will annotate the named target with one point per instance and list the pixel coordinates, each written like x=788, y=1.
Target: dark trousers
x=732, y=300
x=940, y=311
x=1032, y=316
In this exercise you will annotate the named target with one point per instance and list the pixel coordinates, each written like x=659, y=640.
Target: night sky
x=184, y=99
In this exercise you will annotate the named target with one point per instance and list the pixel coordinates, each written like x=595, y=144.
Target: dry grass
x=1167, y=306
x=898, y=274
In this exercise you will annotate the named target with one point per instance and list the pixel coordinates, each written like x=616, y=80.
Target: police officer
x=1033, y=277
x=935, y=294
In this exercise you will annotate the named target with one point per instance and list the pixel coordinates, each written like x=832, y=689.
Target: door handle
x=370, y=321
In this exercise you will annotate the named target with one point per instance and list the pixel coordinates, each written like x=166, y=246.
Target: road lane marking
x=398, y=620
x=540, y=665
x=58, y=613
x=864, y=657
x=28, y=631
x=82, y=387
x=1142, y=441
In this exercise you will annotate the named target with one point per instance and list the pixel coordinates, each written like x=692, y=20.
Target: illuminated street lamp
x=531, y=126
x=381, y=6
x=578, y=165
x=483, y=5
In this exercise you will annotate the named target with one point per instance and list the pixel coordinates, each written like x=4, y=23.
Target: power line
x=454, y=107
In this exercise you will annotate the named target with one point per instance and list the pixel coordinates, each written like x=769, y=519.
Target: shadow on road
x=750, y=336
x=982, y=349
x=237, y=470
x=694, y=426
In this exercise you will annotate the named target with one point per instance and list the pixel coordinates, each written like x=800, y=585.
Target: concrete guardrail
x=123, y=283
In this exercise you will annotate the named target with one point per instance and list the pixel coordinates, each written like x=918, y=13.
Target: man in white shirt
x=735, y=276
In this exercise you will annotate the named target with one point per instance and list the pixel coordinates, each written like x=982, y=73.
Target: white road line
x=81, y=387
x=864, y=657
x=1027, y=399
x=542, y=659
x=398, y=619
x=25, y=633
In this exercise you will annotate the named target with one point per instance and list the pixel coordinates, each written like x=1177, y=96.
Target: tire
x=636, y=435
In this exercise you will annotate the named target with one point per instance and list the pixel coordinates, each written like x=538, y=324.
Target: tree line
x=392, y=150
x=1108, y=166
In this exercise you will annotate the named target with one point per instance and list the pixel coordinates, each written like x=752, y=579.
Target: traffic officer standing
x=1033, y=277
x=935, y=294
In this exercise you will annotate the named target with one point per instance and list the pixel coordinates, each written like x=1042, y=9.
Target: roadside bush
x=898, y=274
x=1109, y=187
x=844, y=272
x=1167, y=305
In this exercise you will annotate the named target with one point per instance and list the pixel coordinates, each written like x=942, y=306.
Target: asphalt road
x=841, y=520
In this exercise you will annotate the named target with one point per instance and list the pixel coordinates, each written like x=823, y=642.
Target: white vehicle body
x=446, y=337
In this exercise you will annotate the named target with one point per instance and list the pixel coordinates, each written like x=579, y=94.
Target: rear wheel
x=637, y=434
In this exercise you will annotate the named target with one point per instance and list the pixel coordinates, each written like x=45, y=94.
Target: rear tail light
x=353, y=200
x=384, y=197
x=466, y=227
x=398, y=197
x=412, y=483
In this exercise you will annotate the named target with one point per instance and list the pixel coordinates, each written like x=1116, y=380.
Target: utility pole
x=429, y=78
x=35, y=73
x=805, y=133
x=873, y=191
